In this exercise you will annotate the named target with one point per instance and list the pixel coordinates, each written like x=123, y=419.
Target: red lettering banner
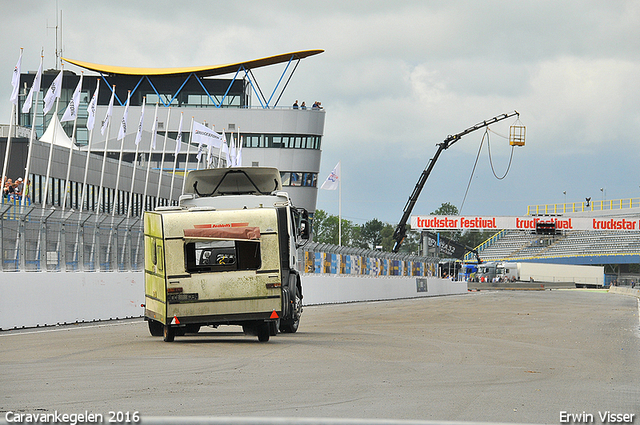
x=454, y=222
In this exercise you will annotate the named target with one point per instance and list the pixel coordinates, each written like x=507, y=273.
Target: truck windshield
x=222, y=255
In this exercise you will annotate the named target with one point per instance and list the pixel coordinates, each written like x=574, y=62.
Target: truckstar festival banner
x=454, y=222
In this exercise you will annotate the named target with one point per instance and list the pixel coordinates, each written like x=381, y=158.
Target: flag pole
x=220, y=150
x=164, y=148
x=86, y=165
x=186, y=164
x=73, y=144
x=85, y=189
x=33, y=129
x=101, y=187
x=15, y=82
x=175, y=157
x=122, y=132
x=7, y=150
x=154, y=130
x=135, y=158
x=340, y=205
x=133, y=177
x=152, y=145
x=55, y=120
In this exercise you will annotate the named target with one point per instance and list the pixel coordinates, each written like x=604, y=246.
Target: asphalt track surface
x=508, y=356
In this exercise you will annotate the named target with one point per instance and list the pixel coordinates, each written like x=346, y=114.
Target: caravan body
x=226, y=255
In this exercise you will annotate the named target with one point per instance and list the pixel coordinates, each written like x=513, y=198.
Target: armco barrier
x=46, y=299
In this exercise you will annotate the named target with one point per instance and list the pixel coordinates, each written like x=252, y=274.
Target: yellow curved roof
x=201, y=71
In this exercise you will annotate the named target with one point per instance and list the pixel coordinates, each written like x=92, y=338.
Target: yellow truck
x=226, y=255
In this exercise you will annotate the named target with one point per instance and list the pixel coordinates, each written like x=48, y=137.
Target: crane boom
x=401, y=230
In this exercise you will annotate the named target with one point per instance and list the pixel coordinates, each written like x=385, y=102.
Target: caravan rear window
x=222, y=255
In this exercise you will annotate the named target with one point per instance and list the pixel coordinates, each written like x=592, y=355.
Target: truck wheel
x=155, y=328
x=169, y=333
x=263, y=332
x=291, y=325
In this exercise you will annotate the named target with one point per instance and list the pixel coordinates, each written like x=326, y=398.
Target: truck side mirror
x=304, y=229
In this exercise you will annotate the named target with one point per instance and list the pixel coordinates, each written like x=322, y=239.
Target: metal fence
x=33, y=238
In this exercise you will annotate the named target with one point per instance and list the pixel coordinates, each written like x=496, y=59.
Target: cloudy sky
x=395, y=79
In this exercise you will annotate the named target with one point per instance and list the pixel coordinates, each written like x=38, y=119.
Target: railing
x=338, y=260
x=37, y=239
x=574, y=207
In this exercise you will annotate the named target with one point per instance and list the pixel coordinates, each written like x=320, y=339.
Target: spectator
x=19, y=187
x=27, y=190
x=295, y=105
x=304, y=106
x=8, y=188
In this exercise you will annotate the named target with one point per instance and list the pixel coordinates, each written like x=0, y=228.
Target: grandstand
x=618, y=251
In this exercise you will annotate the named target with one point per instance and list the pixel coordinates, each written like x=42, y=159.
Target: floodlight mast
x=401, y=230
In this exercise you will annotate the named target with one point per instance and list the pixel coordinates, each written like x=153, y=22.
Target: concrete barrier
x=327, y=289
x=32, y=299
x=625, y=290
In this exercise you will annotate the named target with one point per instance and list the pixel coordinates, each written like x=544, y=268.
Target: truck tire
x=264, y=332
x=291, y=325
x=155, y=328
x=169, y=333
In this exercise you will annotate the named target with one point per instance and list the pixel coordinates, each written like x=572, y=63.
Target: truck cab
x=226, y=255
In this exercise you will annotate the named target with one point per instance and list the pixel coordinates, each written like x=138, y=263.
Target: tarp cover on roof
x=224, y=233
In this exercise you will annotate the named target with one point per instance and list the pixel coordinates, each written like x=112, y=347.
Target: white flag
x=91, y=119
x=35, y=88
x=72, y=109
x=205, y=136
x=139, y=133
x=232, y=152
x=53, y=93
x=154, y=129
x=225, y=149
x=331, y=183
x=123, y=123
x=201, y=149
x=15, y=80
x=239, y=156
x=107, y=118
x=209, y=156
x=179, y=136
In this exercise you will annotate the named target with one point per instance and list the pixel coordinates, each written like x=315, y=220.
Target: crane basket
x=517, y=134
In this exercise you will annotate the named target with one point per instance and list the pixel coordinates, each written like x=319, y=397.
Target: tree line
x=374, y=234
